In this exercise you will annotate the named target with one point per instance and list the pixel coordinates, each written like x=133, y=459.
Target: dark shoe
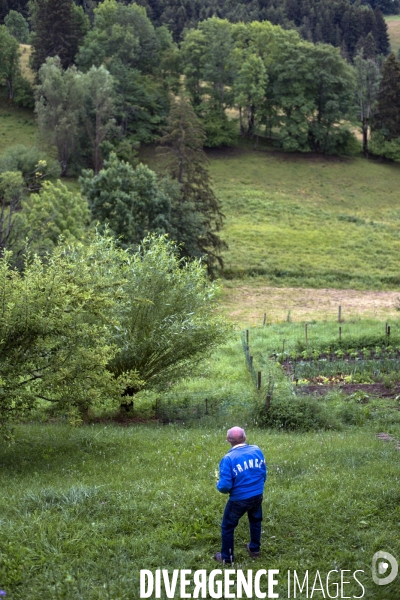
x=252, y=554
x=218, y=558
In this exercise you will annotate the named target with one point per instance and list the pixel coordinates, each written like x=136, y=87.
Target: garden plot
x=360, y=356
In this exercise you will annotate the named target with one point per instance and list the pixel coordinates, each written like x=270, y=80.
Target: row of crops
x=359, y=352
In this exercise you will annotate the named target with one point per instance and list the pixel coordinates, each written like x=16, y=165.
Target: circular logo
x=384, y=560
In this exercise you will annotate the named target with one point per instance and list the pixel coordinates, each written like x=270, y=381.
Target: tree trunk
x=365, y=136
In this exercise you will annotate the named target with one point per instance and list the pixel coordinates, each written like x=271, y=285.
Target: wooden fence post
x=340, y=334
x=259, y=380
x=306, y=331
x=265, y=319
x=340, y=314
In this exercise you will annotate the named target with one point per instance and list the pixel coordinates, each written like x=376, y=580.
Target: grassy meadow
x=393, y=24
x=83, y=510
x=312, y=222
x=17, y=126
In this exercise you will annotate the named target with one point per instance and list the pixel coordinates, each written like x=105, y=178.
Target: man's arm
x=225, y=483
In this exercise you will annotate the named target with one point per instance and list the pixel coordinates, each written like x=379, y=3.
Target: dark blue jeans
x=234, y=510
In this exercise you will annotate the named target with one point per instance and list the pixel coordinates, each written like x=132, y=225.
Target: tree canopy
x=92, y=321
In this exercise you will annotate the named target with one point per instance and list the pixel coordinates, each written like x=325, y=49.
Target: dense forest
x=338, y=22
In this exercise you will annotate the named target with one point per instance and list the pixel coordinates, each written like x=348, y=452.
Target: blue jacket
x=242, y=472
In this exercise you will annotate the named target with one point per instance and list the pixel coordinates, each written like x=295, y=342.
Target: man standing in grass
x=242, y=474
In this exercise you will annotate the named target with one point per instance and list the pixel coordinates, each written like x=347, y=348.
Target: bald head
x=236, y=435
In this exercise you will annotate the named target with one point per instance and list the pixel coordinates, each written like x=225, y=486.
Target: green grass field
x=393, y=24
x=82, y=511
x=17, y=126
x=310, y=221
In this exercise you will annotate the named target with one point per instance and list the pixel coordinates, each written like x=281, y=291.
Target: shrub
x=220, y=131
x=296, y=414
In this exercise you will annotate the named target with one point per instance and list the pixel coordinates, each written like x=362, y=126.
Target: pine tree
x=59, y=27
x=387, y=118
x=197, y=216
x=381, y=33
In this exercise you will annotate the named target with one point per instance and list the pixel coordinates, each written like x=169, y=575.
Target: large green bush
x=296, y=414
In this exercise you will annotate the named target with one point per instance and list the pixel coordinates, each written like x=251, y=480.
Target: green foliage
x=56, y=324
x=197, y=217
x=380, y=146
x=304, y=92
x=368, y=78
x=99, y=110
x=11, y=192
x=342, y=24
x=314, y=89
x=53, y=212
x=386, y=122
x=17, y=26
x=59, y=27
x=10, y=70
x=169, y=322
x=249, y=88
x=219, y=130
x=129, y=201
x=89, y=321
x=30, y=162
x=296, y=414
x=139, y=59
x=73, y=106
x=59, y=105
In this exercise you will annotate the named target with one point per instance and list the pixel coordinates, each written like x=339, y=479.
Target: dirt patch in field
x=246, y=304
x=374, y=390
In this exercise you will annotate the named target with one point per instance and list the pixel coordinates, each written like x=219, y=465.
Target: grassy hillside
x=310, y=221
x=17, y=126
x=291, y=220
x=393, y=24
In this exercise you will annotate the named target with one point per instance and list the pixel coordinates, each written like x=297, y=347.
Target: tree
x=125, y=41
x=387, y=117
x=368, y=78
x=334, y=87
x=99, y=110
x=11, y=193
x=197, y=218
x=17, y=26
x=53, y=212
x=29, y=161
x=91, y=321
x=10, y=70
x=169, y=323
x=59, y=106
x=250, y=89
x=312, y=91
x=209, y=67
x=59, y=28
x=385, y=137
x=128, y=201
x=57, y=320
